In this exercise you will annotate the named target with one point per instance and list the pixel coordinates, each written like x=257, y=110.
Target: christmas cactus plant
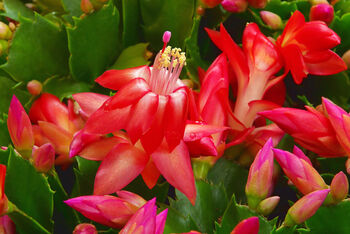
x=174, y=116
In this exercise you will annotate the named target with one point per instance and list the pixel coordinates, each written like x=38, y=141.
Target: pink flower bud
x=6, y=225
x=85, y=228
x=300, y=172
x=323, y=12
x=346, y=58
x=273, y=20
x=5, y=31
x=266, y=206
x=34, y=87
x=249, y=225
x=20, y=128
x=86, y=6
x=235, y=6
x=44, y=157
x=339, y=187
x=260, y=183
x=211, y=3
x=305, y=207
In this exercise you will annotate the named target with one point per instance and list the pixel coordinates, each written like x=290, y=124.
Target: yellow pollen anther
x=171, y=57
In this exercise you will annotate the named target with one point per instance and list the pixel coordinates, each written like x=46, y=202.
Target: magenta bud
x=249, y=225
x=34, y=87
x=235, y=6
x=266, y=206
x=272, y=20
x=339, y=187
x=44, y=157
x=259, y=183
x=20, y=128
x=85, y=228
x=86, y=6
x=166, y=36
x=323, y=12
x=305, y=207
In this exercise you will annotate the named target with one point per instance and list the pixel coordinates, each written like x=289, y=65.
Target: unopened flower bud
x=259, y=183
x=34, y=87
x=5, y=31
x=339, y=187
x=44, y=157
x=86, y=6
x=20, y=128
x=266, y=206
x=235, y=6
x=305, y=207
x=346, y=58
x=211, y=3
x=272, y=20
x=249, y=225
x=257, y=3
x=323, y=12
x=85, y=228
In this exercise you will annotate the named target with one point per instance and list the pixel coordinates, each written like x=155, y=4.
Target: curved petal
x=105, y=121
x=175, y=115
x=129, y=93
x=80, y=140
x=141, y=116
x=99, y=149
x=160, y=221
x=150, y=174
x=294, y=62
x=59, y=137
x=295, y=22
x=195, y=132
x=316, y=35
x=89, y=102
x=202, y=147
x=49, y=108
x=121, y=165
x=176, y=168
x=154, y=136
x=324, y=63
x=115, y=79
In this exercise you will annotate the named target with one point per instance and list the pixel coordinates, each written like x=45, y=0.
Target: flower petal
x=150, y=174
x=105, y=121
x=141, y=116
x=324, y=63
x=122, y=164
x=176, y=168
x=89, y=102
x=129, y=94
x=115, y=79
x=175, y=115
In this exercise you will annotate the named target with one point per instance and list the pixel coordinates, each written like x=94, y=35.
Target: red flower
x=305, y=47
x=151, y=103
x=310, y=128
